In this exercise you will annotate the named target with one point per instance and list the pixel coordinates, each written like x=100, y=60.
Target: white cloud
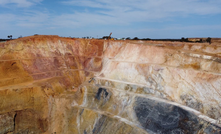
x=33, y=19
x=129, y=11
x=150, y=9
x=30, y=19
x=83, y=19
x=19, y=3
x=114, y=12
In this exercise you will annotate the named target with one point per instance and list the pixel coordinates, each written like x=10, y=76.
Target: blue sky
x=124, y=18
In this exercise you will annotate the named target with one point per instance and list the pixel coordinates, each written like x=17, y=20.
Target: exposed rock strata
x=50, y=84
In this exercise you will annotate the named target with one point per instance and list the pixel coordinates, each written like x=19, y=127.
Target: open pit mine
x=55, y=85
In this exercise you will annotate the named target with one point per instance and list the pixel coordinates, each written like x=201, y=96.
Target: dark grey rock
x=160, y=117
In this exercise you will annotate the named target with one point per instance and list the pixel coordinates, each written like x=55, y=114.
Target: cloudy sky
x=124, y=18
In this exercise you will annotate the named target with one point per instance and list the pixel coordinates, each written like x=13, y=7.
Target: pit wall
x=50, y=84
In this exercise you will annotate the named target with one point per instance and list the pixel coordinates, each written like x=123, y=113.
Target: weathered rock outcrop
x=50, y=84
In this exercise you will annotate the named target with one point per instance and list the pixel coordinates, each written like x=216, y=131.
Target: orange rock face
x=50, y=84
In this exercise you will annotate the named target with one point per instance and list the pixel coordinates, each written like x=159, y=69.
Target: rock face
x=55, y=85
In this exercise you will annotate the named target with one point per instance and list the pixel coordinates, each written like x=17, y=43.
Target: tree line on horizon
x=200, y=40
